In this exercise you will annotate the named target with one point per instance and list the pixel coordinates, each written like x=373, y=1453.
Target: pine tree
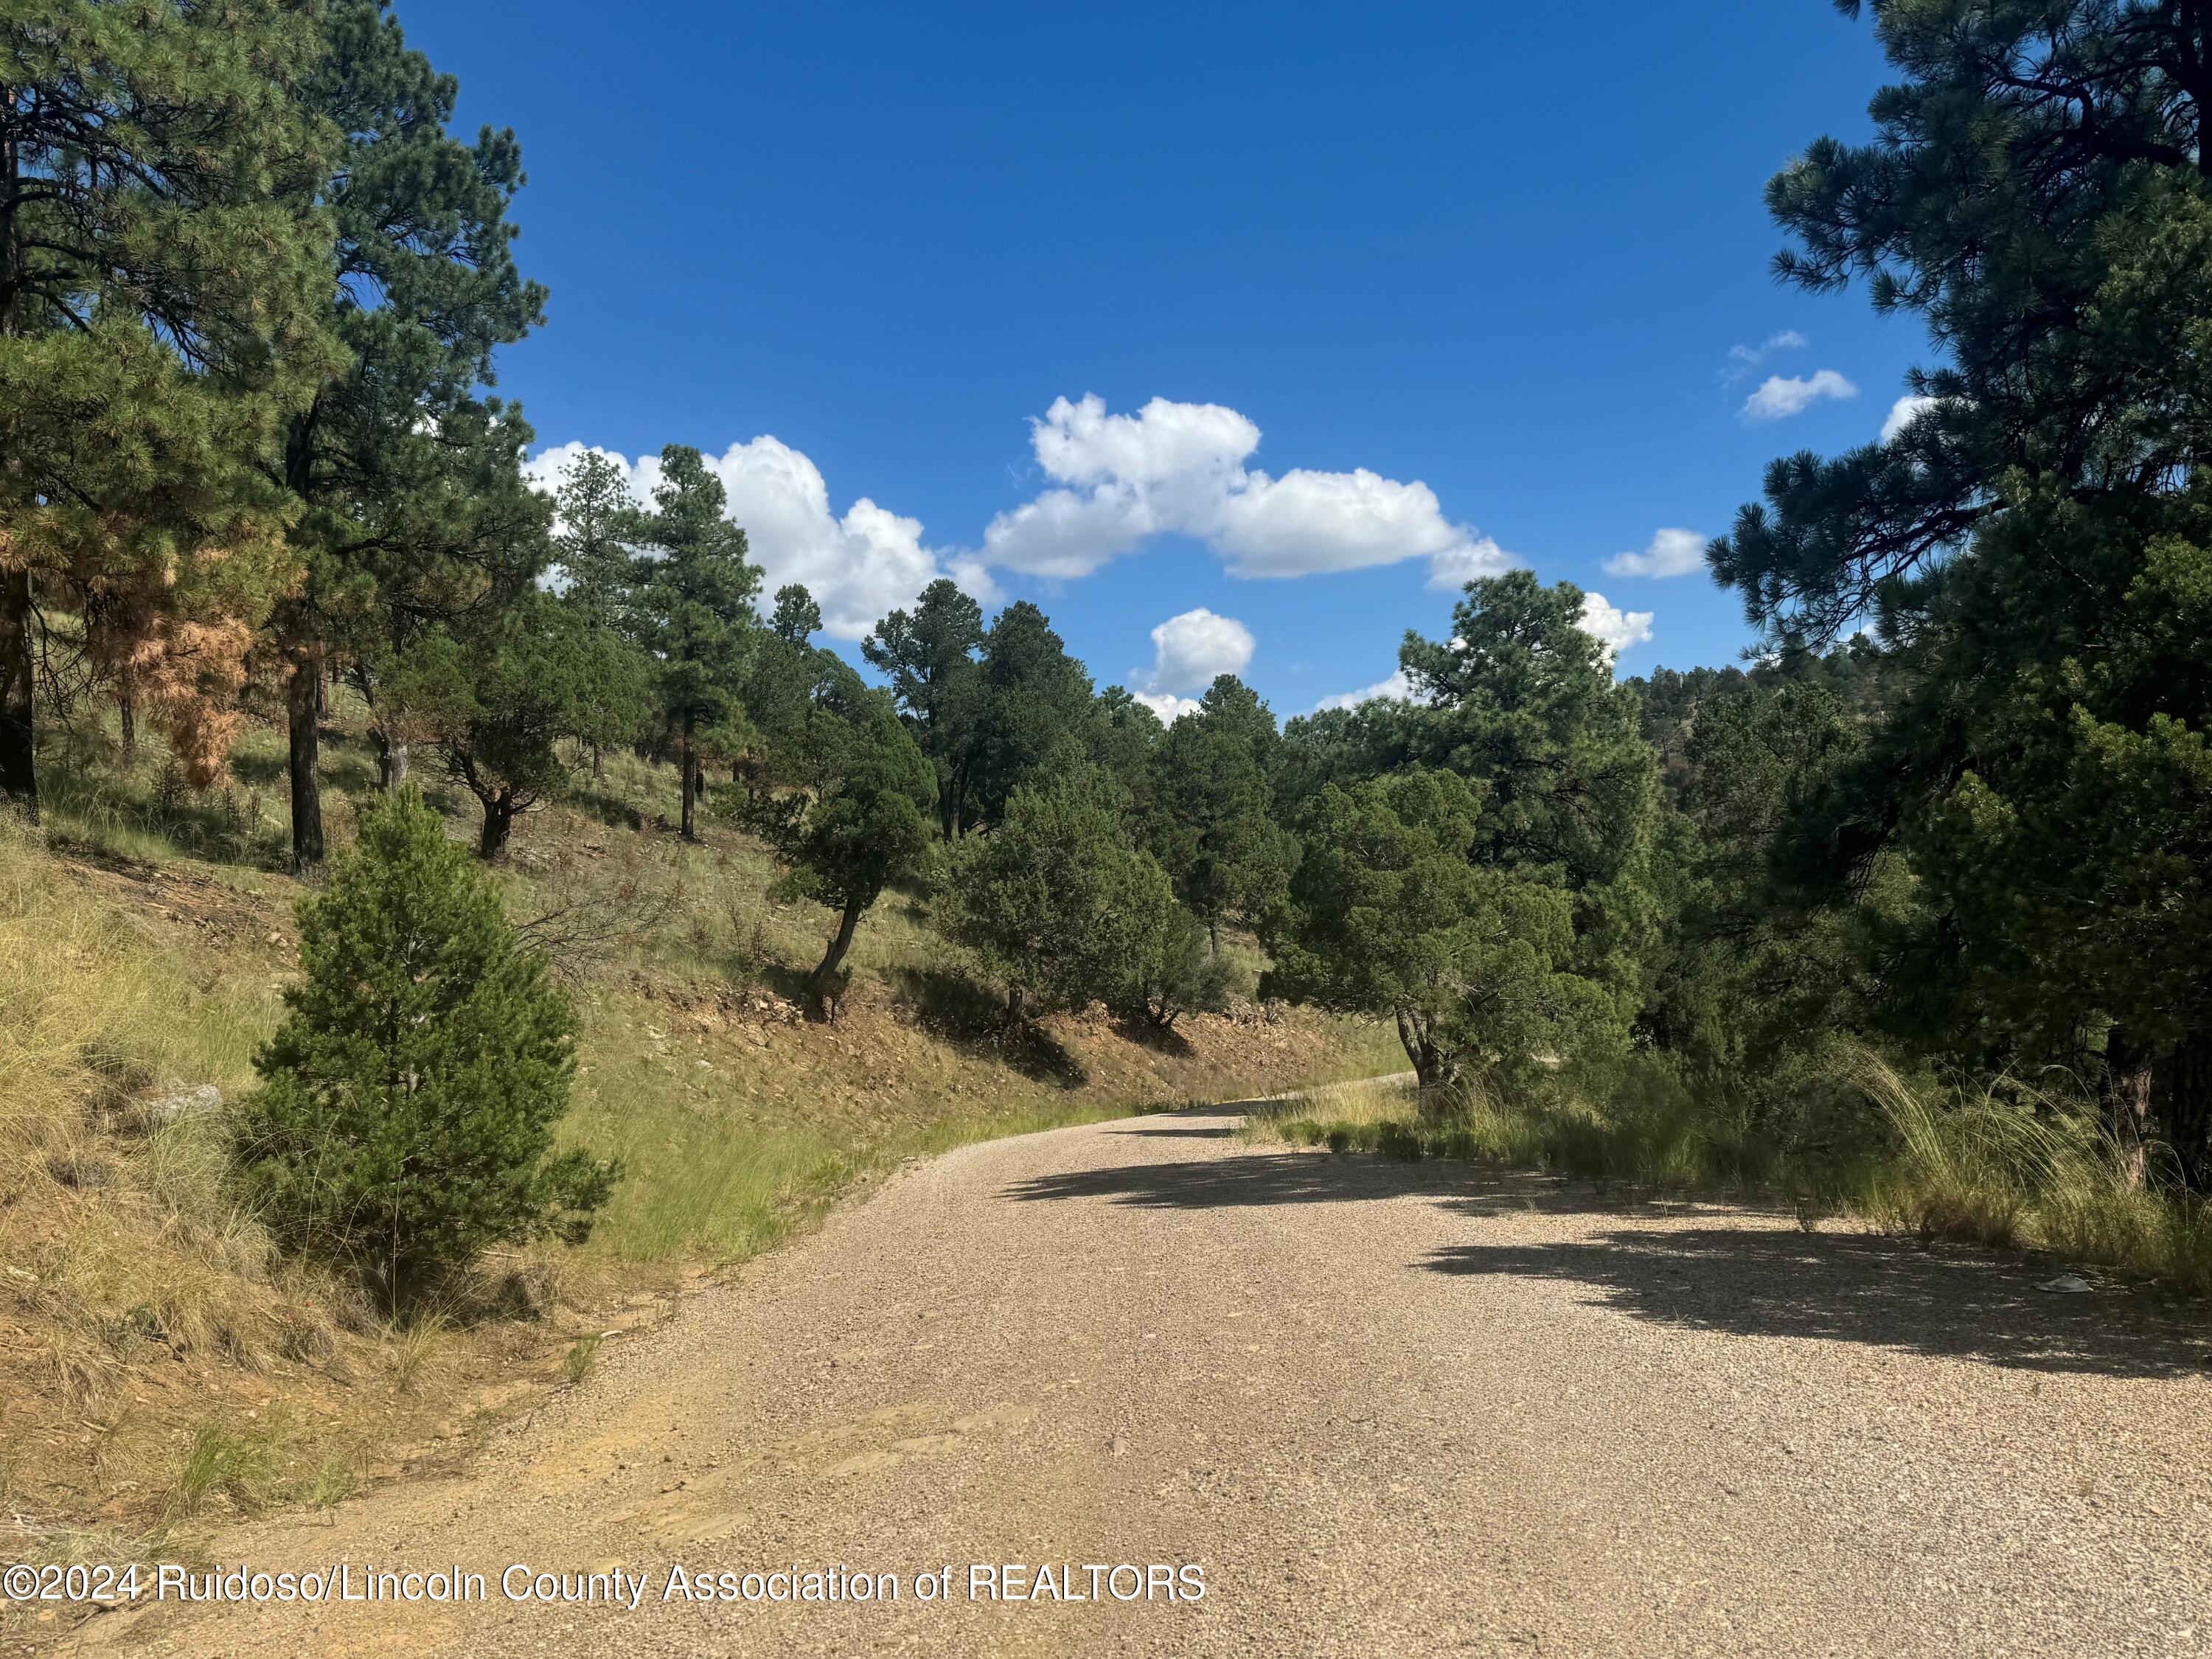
x=1033, y=697
x=929, y=657
x=417, y=513
x=694, y=614
x=598, y=514
x=406, y=1115
x=2036, y=538
x=158, y=272
x=1211, y=822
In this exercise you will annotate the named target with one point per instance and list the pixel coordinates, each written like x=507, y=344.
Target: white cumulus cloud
x=1671, y=553
x=859, y=566
x=1190, y=650
x=1903, y=413
x=1780, y=397
x=1169, y=707
x=1398, y=687
x=1613, y=627
x=1181, y=469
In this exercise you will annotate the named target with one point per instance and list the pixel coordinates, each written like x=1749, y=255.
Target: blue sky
x=1503, y=253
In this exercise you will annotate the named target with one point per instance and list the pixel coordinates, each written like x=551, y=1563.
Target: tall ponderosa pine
x=783, y=679
x=694, y=614
x=598, y=514
x=2037, y=537
x=158, y=266
x=1034, y=698
x=405, y=1119
x=929, y=657
x=1210, y=819
x=417, y=512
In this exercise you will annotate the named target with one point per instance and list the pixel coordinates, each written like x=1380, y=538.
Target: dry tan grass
x=159, y=1367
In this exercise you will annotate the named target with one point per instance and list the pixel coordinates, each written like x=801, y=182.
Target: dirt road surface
x=1388, y=1409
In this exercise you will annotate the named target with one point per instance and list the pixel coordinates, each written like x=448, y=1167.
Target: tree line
x=1959, y=806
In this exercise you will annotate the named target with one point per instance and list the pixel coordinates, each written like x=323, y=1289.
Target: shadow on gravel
x=1272, y=1178
x=1835, y=1287
x=1670, y=1264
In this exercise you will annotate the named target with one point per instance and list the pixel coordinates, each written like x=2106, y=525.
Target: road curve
x=1387, y=1408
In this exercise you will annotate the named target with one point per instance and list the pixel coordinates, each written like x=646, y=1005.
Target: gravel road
x=1388, y=1409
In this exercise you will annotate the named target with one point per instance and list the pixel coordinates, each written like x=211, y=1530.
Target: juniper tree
x=1058, y=898
x=406, y=1116
x=845, y=805
x=1474, y=963
x=499, y=701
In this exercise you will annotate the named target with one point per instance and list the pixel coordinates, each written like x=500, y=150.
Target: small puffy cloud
x=1456, y=567
x=858, y=565
x=1398, y=688
x=1169, y=708
x=1671, y=553
x=1190, y=650
x=1778, y=397
x=1745, y=361
x=1903, y=413
x=1613, y=627
x=1181, y=469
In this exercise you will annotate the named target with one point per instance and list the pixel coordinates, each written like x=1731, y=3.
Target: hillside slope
x=161, y=1367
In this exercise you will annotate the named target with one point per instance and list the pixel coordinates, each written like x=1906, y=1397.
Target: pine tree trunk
x=2127, y=1078
x=2186, y=1113
x=690, y=774
x=18, y=776
x=599, y=762
x=498, y=825
x=301, y=695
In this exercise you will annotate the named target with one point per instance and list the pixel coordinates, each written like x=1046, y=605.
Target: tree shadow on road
x=1954, y=1303
x=1727, y=1268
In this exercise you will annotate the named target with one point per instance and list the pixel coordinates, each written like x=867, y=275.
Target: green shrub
x=405, y=1118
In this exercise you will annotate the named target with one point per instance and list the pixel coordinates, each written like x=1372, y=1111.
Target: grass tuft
x=2008, y=1166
